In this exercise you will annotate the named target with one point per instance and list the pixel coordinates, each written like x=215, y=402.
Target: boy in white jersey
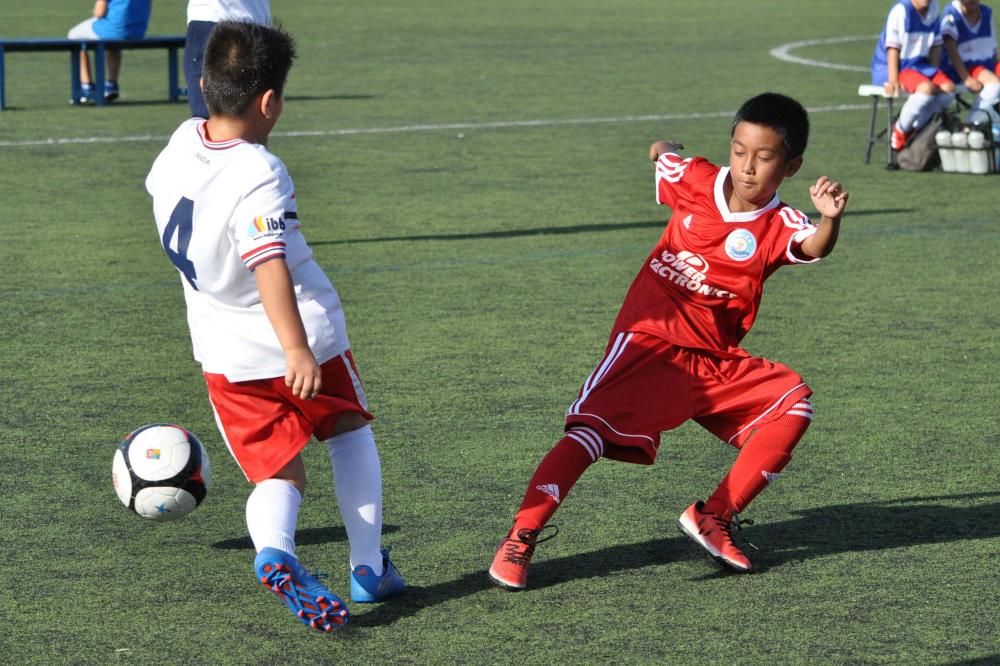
x=971, y=46
x=266, y=324
x=906, y=57
x=202, y=15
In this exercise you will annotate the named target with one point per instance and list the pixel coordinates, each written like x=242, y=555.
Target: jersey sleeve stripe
x=262, y=254
x=794, y=219
x=671, y=167
x=796, y=239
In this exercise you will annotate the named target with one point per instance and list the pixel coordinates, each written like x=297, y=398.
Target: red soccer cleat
x=898, y=138
x=715, y=534
x=510, y=565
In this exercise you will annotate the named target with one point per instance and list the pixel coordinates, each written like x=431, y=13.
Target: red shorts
x=911, y=78
x=265, y=426
x=979, y=69
x=645, y=385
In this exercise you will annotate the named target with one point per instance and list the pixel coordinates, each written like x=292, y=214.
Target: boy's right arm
x=971, y=82
x=100, y=8
x=277, y=294
x=892, y=59
x=660, y=147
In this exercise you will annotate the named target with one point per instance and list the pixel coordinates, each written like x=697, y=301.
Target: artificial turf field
x=473, y=177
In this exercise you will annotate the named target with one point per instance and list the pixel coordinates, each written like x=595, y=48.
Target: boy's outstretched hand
x=829, y=197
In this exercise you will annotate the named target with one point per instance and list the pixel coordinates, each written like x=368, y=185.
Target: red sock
x=558, y=471
x=759, y=461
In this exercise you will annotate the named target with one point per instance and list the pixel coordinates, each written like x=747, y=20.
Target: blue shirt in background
x=126, y=19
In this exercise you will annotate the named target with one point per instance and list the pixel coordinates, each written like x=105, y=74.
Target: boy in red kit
x=674, y=350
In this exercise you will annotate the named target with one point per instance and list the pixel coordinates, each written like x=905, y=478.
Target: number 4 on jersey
x=181, y=223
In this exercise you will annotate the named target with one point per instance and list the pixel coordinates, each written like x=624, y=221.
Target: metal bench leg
x=888, y=135
x=74, y=76
x=99, y=75
x=871, y=130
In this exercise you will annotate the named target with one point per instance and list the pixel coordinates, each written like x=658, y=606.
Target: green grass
x=481, y=269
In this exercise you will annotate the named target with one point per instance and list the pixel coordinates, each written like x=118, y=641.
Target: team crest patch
x=740, y=245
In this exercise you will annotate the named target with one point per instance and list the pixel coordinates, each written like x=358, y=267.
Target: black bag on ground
x=921, y=153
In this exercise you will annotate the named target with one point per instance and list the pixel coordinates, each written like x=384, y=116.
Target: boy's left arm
x=277, y=295
x=830, y=199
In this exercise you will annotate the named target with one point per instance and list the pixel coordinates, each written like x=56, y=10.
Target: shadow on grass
x=828, y=530
x=303, y=537
x=508, y=233
x=546, y=231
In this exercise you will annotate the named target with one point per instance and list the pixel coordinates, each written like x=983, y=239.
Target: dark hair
x=242, y=61
x=782, y=114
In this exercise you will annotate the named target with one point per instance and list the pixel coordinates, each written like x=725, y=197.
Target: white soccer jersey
x=977, y=44
x=912, y=34
x=258, y=11
x=223, y=208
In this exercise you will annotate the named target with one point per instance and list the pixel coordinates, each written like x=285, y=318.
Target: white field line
x=783, y=52
x=433, y=127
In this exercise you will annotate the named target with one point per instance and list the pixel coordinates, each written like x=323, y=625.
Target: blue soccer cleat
x=111, y=91
x=299, y=590
x=367, y=588
x=86, y=94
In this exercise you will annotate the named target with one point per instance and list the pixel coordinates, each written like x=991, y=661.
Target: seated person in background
x=970, y=45
x=112, y=19
x=202, y=15
x=906, y=58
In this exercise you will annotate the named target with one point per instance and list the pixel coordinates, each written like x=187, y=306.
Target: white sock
x=942, y=101
x=272, y=512
x=986, y=99
x=916, y=111
x=357, y=479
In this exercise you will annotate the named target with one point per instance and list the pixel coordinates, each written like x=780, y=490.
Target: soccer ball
x=161, y=471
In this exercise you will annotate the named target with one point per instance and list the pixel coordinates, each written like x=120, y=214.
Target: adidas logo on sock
x=550, y=489
x=771, y=476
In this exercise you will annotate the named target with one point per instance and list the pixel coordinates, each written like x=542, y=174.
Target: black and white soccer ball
x=161, y=471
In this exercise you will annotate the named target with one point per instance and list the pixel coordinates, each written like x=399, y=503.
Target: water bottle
x=945, y=151
x=960, y=142
x=979, y=159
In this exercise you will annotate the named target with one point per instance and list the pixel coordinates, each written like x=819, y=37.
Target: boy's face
x=757, y=164
x=921, y=5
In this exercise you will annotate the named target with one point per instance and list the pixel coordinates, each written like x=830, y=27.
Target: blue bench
x=172, y=43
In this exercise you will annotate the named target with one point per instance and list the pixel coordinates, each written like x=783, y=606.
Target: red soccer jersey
x=702, y=284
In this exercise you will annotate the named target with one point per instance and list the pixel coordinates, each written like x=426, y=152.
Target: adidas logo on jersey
x=550, y=489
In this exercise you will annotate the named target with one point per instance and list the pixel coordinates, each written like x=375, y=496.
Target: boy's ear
x=793, y=167
x=266, y=103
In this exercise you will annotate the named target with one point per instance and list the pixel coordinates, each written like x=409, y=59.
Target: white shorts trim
x=766, y=412
x=225, y=440
x=617, y=349
x=612, y=428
